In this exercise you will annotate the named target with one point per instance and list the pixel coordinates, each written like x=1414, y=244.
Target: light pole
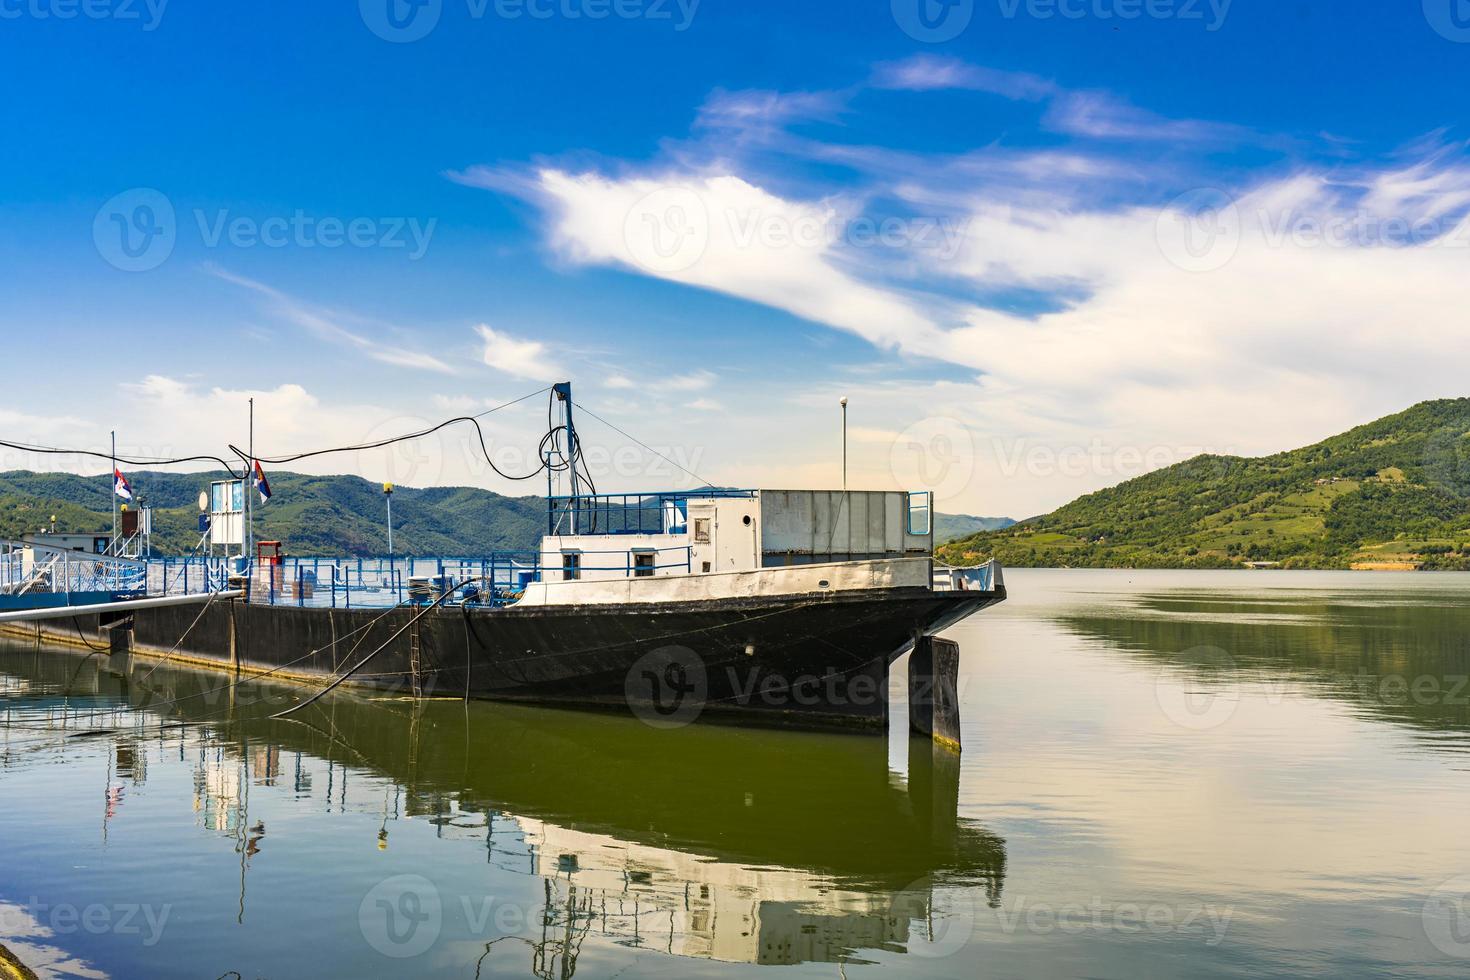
x=388, y=496
x=843, y=403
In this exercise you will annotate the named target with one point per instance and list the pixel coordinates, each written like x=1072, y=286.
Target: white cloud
x=521, y=358
x=723, y=233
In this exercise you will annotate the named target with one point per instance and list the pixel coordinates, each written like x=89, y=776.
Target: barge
x=764, y=607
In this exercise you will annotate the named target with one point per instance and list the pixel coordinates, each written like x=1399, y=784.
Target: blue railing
x=627, y=513
x=494, y=580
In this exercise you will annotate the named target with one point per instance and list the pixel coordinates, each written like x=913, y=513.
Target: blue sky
x=1042, y=245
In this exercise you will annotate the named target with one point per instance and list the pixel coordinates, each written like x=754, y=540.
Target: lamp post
x=843, y=403
x=388, y=496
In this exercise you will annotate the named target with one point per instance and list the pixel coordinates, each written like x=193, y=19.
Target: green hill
x=313, y=515
x=1395, y=491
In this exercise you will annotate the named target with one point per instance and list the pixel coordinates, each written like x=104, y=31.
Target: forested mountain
x=1393, y=491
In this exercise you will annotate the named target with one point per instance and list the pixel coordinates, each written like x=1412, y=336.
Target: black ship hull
x=811, y=660
x=803, y=660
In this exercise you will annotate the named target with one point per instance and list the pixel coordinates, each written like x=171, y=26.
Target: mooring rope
x=364, y=661
x=169, y=656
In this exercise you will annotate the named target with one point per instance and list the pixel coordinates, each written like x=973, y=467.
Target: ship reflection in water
x=589, y=831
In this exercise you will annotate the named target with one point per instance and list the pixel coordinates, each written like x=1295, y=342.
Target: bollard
x=934, y=707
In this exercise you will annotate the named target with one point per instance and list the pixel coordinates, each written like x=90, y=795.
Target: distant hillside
x=1396, y=490
x=952, y=527
x=314, y=515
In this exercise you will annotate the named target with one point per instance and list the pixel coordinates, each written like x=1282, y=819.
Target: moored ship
x=783, y=607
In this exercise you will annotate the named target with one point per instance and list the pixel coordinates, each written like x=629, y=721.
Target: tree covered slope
x=313, y=515
x=1393, y=491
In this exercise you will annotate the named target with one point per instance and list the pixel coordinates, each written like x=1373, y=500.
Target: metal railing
x=627, y=513
x=34, y=570
x=494, y=580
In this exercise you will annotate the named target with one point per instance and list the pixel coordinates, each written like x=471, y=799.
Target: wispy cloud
x=326, y=324
x=1100, y=115
x=929, y=73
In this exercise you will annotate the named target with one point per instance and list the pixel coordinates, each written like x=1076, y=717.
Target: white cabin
x=708, y=532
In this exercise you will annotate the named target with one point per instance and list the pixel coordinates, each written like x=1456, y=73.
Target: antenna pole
x=248, y=488
x=564, y=392
x=843, y=402
x=112, y=490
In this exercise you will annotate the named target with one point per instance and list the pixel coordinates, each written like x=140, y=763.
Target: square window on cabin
x=701, y=530
x=571, y=566
x=643, y=564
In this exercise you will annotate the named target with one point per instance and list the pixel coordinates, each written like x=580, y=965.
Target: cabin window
x=920, y=507
x=701, y=530
x=571, y=566
x=643, y=564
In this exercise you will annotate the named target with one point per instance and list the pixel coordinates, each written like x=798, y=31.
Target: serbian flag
x=261, y=487
x=120, y=485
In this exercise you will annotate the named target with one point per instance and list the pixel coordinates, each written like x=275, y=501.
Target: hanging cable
x=472, y=419
x=128, y=460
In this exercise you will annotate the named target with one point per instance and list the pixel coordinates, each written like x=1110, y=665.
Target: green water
x=1164, y=774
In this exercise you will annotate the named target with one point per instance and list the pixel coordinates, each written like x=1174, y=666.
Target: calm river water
x=1164, y=774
